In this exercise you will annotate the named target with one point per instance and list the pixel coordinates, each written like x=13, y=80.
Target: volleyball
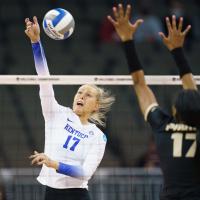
x=58, y=24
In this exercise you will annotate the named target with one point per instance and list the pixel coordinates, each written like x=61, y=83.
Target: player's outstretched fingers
x=180, y=24
x=162, y=35
x=113, y=22
x=128, y=12
x=185, y=32
x=115, y=13
x=138, y=23
x=121, y=10
x=169, y=26
x=174, y=22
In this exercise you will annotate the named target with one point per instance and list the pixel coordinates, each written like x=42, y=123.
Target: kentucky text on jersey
x=179, y=127
x=75, y=132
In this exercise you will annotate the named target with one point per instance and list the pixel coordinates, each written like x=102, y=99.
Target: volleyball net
x=129, y=137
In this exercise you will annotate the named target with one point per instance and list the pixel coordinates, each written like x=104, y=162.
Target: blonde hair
x=105, y=100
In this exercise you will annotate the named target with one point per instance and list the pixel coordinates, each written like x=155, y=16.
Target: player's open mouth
x=79, y=103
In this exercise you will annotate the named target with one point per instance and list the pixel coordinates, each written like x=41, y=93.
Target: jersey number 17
x=178, y=139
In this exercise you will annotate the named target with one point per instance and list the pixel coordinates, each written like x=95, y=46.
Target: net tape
x=88, y=79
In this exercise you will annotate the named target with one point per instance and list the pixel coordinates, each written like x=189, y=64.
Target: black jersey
x=179, y=155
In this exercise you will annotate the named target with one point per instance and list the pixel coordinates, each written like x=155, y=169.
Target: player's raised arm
x=174, y=41
x=33, y=32
x=126, y=30
x=46, y=90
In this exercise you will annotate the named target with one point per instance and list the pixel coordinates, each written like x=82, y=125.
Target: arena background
x=94, y=49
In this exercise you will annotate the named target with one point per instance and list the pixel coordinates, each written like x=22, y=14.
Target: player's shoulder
x=99, y=134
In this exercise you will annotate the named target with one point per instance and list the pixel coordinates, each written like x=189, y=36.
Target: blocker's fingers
x=185, y=32
x=111, y=20
x=174, y=22
x=138, y=23
x=180, y=24
x=162, y=35
x=169, y=26
x=128, y=11
x=121, y=10
x=115, y=13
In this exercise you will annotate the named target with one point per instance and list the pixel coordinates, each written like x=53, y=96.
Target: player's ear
x=96, y=107
x=174, y=112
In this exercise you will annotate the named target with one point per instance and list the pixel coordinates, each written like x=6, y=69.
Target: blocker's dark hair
x=187, y=106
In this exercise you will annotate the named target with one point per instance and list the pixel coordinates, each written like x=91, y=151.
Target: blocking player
x=175, y=135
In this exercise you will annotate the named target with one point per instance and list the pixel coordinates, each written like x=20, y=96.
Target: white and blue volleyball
x=58, y=24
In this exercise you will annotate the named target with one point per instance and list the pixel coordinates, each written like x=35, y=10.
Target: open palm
x=124, y=28
x=176, y=36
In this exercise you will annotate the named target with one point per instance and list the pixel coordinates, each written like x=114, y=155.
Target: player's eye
x=88, y=95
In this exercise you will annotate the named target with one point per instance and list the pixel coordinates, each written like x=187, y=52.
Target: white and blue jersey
x=79, y=148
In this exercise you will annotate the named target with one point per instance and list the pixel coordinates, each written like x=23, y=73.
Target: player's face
x=85, y=101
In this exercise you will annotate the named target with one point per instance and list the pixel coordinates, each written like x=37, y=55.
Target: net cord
x=88, y=79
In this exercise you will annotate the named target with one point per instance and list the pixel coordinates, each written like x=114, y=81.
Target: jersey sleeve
x=90, y=164
x=47, y=97
x=157, y=117
x=94, y=157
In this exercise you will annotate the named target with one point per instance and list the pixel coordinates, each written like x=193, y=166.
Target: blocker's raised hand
x=32, y=29
x=121, y=21
x=176, y=36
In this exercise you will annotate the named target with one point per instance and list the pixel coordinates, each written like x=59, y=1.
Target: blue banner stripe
x=57, y=19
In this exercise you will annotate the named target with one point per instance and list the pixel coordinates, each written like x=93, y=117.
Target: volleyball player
x=175, y=135
x=74, y=145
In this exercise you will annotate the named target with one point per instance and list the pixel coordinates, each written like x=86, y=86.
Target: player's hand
x=176, y=36
x=40, y=159
x=121, y=21
x=32, y=29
